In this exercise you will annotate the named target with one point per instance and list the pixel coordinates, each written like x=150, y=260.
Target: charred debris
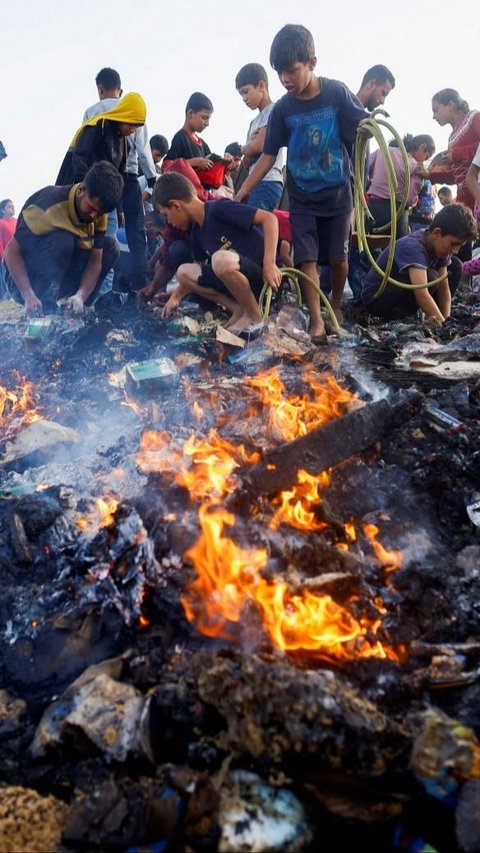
x=203, y=649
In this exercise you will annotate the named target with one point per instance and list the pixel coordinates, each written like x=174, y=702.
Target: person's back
x=251, y=83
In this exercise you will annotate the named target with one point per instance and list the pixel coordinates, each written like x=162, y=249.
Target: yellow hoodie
x=131, y=109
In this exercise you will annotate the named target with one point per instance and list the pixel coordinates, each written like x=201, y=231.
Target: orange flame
x=213, y=460
x=295, y=503
x=390, y=559
x=297, y=415
x=229, y=576
x=157, y=453
x=100, y=516
x=17, y=408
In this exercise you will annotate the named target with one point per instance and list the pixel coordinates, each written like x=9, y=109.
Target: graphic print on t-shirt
x=315, y=156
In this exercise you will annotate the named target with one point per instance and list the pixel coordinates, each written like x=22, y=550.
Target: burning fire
x=17, y=408
x=391, y=560
x=296, y=503
x=213, y=461
x=100, y=516
x=228, y=576
x=291, y=417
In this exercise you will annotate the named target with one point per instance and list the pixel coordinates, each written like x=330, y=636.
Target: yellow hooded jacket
x=131, y=109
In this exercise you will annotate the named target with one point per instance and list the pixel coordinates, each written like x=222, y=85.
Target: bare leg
x=226, y=265
x=312, y=299
x=188, y=275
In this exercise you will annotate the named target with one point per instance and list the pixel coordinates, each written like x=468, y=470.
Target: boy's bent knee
x=225, y=262
x=188, y=273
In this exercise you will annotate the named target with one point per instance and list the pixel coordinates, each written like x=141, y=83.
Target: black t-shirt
x=184, y=145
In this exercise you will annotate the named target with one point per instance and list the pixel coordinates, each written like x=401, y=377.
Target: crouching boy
x=233, y=257
x=421, y=257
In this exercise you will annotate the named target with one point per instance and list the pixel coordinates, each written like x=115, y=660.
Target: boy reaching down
x=317, y=121
x=421, y=257
x=232, y=257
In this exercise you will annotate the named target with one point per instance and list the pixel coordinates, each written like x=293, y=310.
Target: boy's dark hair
x=155, y=218
x=380, y=73
x=104, y=181
x=160, y=143
x=293, y=43
x=457, y=220
x=234, y=148
x=198, y=101
x=444, y=96
x=444, y=191
x=108, y=78
x=251, y=75
x=170, y=186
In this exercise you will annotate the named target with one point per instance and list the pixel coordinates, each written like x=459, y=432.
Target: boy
x=251, y=83
x=445, y=196
x=60, y=248
x=232, y=258
x=317, y=120
x=186, y=143
x=421, y=257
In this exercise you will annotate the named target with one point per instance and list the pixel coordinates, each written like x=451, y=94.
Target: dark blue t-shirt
x=227, y=225
x=318, y=133
x=410, y=251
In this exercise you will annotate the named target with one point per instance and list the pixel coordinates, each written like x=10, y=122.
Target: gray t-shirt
x=275, y=173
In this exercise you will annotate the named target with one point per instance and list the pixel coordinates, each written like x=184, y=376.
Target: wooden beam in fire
x=329, y=444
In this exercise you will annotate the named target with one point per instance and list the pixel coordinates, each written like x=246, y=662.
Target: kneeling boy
x=421, y=257
x=232, y=257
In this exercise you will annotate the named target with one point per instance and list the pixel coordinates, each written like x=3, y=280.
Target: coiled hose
x=361, y=211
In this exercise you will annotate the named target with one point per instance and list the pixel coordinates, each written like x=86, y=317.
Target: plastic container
x=151, y=376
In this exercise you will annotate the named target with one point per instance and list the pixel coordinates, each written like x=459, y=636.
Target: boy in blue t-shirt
x=317, y=121
x=420, y=257
x=233, y=257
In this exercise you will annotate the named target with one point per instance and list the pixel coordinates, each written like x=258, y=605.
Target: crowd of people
x=130, y=212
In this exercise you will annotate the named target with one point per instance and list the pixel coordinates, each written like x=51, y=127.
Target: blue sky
x=52, y=51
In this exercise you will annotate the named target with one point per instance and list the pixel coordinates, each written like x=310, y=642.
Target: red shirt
x=7, y=230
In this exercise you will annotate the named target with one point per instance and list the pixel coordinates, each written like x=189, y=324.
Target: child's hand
x=272, y=275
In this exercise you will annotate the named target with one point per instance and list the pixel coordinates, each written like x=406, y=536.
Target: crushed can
x=149, y=377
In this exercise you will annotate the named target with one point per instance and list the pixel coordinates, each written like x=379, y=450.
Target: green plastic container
x=39, y=329
x=153, y=375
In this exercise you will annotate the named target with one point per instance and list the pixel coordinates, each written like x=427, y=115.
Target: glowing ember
x=157, y=453
x=230, y=576
x=100, y=516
